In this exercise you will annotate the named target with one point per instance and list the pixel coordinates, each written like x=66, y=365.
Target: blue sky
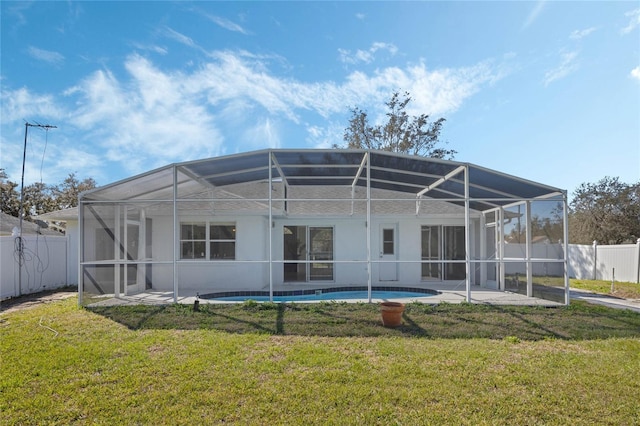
x=549, y=91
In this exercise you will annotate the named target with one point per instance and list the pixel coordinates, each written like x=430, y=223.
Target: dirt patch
x=30, y=300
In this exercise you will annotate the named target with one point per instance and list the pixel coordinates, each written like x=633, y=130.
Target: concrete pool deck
x=447, y=294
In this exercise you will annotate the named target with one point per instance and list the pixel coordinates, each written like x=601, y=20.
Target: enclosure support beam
x=270, y=226
x=278, y=168
x=483, y=249
x=363, y=163
x=500, y=228
x=529, y=248
x=80, y=250
x=368, y=158
x=125, y=245
x=176, y=247
x=141, y=270
x=116, y=249
x=445, y=178
x=467, y=234
x=565, y=263
x=440, y=181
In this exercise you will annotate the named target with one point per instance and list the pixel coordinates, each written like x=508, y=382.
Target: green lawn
x=547, y=287
x=327, y=363
x=620, y=289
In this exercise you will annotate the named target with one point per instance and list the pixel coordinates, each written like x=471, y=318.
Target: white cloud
x=264, y=133
x=366, y=56
x=634, y=21
x=325, y=137
x=45, y=55
x=21, y=104
x=580, y=34
x=151, y=48
x=566, y=67
x=635, y=73
x=226, y=24
x=533, y=15
x=360, y=16
x=179, y=37
x=152, y=116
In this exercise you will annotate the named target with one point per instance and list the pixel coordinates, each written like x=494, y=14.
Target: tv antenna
x=21, y=211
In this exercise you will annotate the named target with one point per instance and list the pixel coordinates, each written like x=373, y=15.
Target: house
x=277, y=219
x=10, y=226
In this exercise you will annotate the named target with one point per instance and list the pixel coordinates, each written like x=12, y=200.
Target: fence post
x=638, y=264
x=595, y=259
x=613, y=279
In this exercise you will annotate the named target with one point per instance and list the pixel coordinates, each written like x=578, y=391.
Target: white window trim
x=208, y=240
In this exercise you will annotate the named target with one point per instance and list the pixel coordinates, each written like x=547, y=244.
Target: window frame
x=211, y=241
x=192, y=240
x=208, y=240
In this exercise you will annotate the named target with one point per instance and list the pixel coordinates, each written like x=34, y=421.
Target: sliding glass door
x=308, y=253
x=441, y=244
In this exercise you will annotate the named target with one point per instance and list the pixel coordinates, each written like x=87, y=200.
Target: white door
x=388, y=268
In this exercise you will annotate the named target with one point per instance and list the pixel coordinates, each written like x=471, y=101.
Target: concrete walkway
x=602, y=299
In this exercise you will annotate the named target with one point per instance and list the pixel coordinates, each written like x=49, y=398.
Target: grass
x=327, y=363
x=620, y=289
x=547, y=287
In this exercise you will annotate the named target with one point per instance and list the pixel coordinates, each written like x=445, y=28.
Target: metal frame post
x=117, y=243
x=500, y=232
x=80, y=251
x=483, y=249
x=176, y=247
x=528, y=248
x=270, y=226
x=565, y=219
x=369, y=278
x=467, y=235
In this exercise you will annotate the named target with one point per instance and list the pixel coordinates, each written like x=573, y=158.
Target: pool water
x=333, y=295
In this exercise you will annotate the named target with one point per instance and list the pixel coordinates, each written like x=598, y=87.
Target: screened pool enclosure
x=278, y=220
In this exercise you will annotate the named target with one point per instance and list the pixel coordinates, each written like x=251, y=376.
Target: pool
x=321, y=295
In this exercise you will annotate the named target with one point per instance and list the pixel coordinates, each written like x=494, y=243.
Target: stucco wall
x=250, y=269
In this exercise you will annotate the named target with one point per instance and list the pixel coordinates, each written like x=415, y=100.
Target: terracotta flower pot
x=391, y=313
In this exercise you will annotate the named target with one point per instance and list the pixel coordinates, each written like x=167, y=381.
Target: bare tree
x=68, y=191
x=415, y=135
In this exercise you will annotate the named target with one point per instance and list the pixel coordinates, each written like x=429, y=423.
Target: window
x=222, y=241
x=388, y=241
x=202, y=240
x=193, y=241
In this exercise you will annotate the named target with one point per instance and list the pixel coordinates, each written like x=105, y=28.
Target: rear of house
x=303, y=219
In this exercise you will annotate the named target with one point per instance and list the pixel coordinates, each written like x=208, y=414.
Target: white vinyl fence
x=587, y=262
x=552, y=252
x=44, y=266
x=596, y=262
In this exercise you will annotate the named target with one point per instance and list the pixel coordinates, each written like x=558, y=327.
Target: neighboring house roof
x=64, y=215
x=8, y=223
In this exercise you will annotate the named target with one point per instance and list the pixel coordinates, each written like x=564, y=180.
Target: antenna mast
x=21, y=214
